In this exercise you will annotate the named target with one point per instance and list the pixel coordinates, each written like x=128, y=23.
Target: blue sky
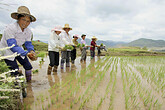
x=117, y=20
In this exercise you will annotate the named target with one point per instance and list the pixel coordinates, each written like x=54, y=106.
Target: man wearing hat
x=73, y=52
x=92, y=48
x=67, y=40
x=18, y=34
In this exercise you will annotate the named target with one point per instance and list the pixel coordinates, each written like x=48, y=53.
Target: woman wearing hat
x=92, y=48
x=18, y=34
x=73, y=52
x=67, y=40
x=54, y=44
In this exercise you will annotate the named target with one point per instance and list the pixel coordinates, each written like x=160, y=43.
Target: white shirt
x=14, y=31
x=66, y=39
x=54, y=42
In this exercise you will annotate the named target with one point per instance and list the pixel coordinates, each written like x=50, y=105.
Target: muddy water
x=96, y=84
x=41, y=82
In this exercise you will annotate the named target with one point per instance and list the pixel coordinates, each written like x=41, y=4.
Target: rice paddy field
x=106, y=83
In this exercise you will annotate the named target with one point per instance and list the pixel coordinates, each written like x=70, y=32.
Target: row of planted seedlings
x=61, y=94
x=152, y=69
x=109, y=93
x=136, y=94
x=108, y=87
x=87, y=91
x=94, y=91
x=82, y=80
x=154, y=72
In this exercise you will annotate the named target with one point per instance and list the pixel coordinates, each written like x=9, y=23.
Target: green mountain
x=142, y=42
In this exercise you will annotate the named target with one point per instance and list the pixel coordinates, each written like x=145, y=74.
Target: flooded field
x=106, y=83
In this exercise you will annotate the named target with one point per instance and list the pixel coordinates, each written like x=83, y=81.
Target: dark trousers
x=99, y=51
x=54, y=58
x=13, y=64
x=65, y=55
x=73, y=54
x=92, y=53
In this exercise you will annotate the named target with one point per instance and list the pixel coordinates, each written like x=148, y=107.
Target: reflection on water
x=41, y=82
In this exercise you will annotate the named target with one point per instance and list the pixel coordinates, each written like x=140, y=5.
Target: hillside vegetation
x=142, y=42
x=40, y=46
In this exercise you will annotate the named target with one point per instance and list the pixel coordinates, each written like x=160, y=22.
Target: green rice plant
x=78, y=45
x=71, y=105
x=98, y=80
x=24, y=106
x=52, y=101
x=64, y=100
x=68, y=47
x=82, y=45
x=48, y=105
x=35, y=71
x=41, y=54
x=57, y=97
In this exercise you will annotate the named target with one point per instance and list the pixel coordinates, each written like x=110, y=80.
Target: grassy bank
x=132, y=51
x=40, y=46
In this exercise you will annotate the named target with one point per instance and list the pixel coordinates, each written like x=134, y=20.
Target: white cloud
x=117, y=20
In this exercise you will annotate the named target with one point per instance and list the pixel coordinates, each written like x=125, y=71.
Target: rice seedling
x=52, y=101
x=78, y=89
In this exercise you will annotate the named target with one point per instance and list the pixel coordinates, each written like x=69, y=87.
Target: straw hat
x=24, y=11
x=67, y=26
x=94, y=38
x=57, y=28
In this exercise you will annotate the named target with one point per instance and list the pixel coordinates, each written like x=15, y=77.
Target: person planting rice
x=67, y=40
x=92, y=48
x=83, y=48
x=54, y=44
x=101, y=48
x=18, y=34
x=73, y=52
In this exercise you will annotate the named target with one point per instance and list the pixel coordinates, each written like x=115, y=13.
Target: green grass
x=40, y=46
x=132, y=51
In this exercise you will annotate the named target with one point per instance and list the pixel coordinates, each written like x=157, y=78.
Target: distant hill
x=107, y=43
x=142, y=42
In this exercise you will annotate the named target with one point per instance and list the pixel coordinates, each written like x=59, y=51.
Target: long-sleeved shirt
x=93, y=44
x=66, y=39
x=83, y=42
x=14, y=35
x=75, y=42
x=54, y=42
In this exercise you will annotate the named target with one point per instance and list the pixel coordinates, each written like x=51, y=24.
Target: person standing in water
x=73, y=52
x=83, y=48
x=18, y=34
x=67, y=40
x=54, y=44
x=93, y=45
